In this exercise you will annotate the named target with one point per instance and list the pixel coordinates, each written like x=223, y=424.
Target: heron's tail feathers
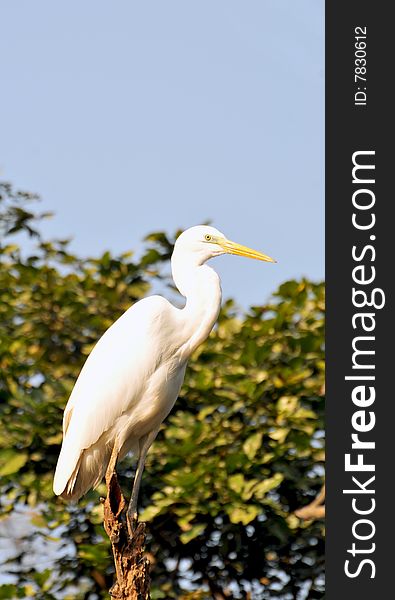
x=77, y=472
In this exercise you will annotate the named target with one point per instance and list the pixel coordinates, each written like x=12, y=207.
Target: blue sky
x=129, y=117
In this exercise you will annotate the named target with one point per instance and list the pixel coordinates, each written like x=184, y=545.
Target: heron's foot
x=132, y=520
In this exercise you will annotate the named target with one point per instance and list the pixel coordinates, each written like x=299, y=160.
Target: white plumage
x=132, y=377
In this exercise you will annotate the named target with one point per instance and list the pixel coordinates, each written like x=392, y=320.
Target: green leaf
x=41, y=577
x=8, y=591
x=95, y=554
x=11, y=462
x=244, y=514
x=194, y=532
x=279, y=434
x=262, y=488
x=236, y=482
x=150, y=512
x=287, y=405
x=252, y=444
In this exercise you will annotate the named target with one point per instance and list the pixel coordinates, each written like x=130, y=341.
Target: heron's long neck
x=201, y=286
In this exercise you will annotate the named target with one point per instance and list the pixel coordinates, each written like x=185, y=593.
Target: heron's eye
x=208, y=237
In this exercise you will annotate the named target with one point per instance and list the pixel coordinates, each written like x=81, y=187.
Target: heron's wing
x=113, y=378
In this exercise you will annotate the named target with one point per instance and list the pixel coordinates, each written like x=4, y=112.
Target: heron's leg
x=144, y=446
x=113, y=461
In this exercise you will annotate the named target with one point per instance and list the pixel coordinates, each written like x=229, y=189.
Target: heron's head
x=203, y=242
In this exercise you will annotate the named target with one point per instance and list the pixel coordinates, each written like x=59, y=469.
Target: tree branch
x=131, y=564
x=314, y=510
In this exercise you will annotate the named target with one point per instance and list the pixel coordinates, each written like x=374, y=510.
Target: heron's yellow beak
x=239, y=250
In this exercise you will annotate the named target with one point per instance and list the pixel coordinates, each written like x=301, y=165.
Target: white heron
x=131, y=379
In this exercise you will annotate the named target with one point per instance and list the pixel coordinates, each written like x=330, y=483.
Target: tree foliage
x=240, y=452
